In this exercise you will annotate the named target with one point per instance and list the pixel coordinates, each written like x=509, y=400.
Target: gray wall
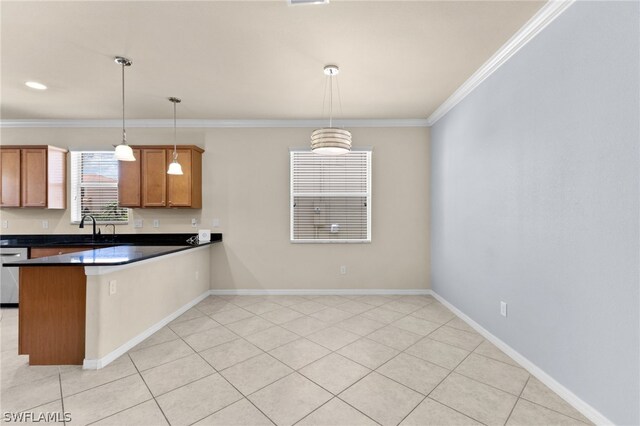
x=535, y=189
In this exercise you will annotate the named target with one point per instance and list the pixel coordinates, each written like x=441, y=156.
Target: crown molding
x=549, y=12
x=186, y=123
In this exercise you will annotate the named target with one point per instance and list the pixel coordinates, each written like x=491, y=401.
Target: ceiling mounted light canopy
x=331, y=140
x=123, y=151
x=174, y=168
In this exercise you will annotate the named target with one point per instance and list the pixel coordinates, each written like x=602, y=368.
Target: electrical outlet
x=215, y=223
x=45, y=224
x=137, y=223
x=503, y=309
x=194, y=222
x=112, y=287
x=343, y=270
x=156, y=223
x=5, y=224
x=197, y=275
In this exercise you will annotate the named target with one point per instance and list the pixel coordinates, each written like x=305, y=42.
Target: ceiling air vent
x=296, y=2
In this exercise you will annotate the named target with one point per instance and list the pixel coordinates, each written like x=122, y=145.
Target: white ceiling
x=245, y=59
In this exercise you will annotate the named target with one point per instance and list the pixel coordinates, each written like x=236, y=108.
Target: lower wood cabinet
x=36, y=252
x=145, y=183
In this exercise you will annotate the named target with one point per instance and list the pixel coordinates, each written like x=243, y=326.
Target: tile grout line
x=517, y=399
x=230, y=384
x=61, y=396
x=336, y=324
x=439, y=383
x=331, y=352
x=149, y=389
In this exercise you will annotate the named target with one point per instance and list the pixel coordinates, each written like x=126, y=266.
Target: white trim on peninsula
x=547, y=13
x=95, y=364
x=577, y=403
x=190, y=123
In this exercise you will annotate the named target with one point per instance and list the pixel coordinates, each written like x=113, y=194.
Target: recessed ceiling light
x=36, y=85
x=296, y=2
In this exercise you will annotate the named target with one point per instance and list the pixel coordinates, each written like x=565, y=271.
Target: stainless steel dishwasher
x=10, y=278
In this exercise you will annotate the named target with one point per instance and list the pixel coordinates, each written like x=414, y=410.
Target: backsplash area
x=42, y=221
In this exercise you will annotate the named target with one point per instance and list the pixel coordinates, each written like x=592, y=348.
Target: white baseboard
x=587, y=410
x=95, y=364
x=320, y=292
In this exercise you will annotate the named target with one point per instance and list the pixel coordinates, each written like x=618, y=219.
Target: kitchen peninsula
x=91, y=306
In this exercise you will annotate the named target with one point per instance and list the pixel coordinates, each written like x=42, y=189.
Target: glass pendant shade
x=175, y=168
x=124, y=153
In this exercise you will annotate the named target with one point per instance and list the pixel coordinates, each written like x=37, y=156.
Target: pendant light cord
x=331, y=100
x=175, y=153
x=124, y=132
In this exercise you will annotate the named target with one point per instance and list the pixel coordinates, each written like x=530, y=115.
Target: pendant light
x=174, y=168
x=331, y=140
x=124, y=151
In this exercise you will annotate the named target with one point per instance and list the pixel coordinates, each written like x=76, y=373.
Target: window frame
x=76, y=186
x=292, y=196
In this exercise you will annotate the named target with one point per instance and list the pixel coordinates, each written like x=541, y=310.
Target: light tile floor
x=285, y=360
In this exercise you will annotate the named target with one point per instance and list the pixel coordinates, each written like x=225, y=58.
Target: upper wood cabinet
x=154, y=178
x=129, y=182
x=145, y=183
x=33, y=176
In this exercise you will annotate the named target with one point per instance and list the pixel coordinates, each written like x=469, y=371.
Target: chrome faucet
x=93, y=232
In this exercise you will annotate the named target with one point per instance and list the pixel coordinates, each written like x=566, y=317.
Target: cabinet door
x=154, y=177
x=37, y=252
x=56, y=178
x=10, y=175
x=129, y=181
x=34, y=177
x=179, y=186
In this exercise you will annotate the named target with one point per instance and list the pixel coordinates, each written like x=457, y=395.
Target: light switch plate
x=204, y=235
x=137, y=223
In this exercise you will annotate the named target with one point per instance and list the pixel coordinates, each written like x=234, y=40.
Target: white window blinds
x=330, y=197
x=94, y=187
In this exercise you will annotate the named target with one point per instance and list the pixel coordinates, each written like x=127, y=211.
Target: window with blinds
x=330, y=197
x=94, y=187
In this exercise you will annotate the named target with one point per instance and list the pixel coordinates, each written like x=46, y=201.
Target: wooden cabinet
x=146, y=184
x=185, y=190
x=36, y=252
x=129, y=182
x=33, y=176
x=10, y=172
x=154, y=178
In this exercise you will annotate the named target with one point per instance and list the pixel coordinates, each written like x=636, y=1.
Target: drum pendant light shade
x=331, y=140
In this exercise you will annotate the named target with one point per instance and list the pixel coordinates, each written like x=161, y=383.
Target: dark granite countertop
x=104, y=240
x=107, y=256
x=107, y=250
